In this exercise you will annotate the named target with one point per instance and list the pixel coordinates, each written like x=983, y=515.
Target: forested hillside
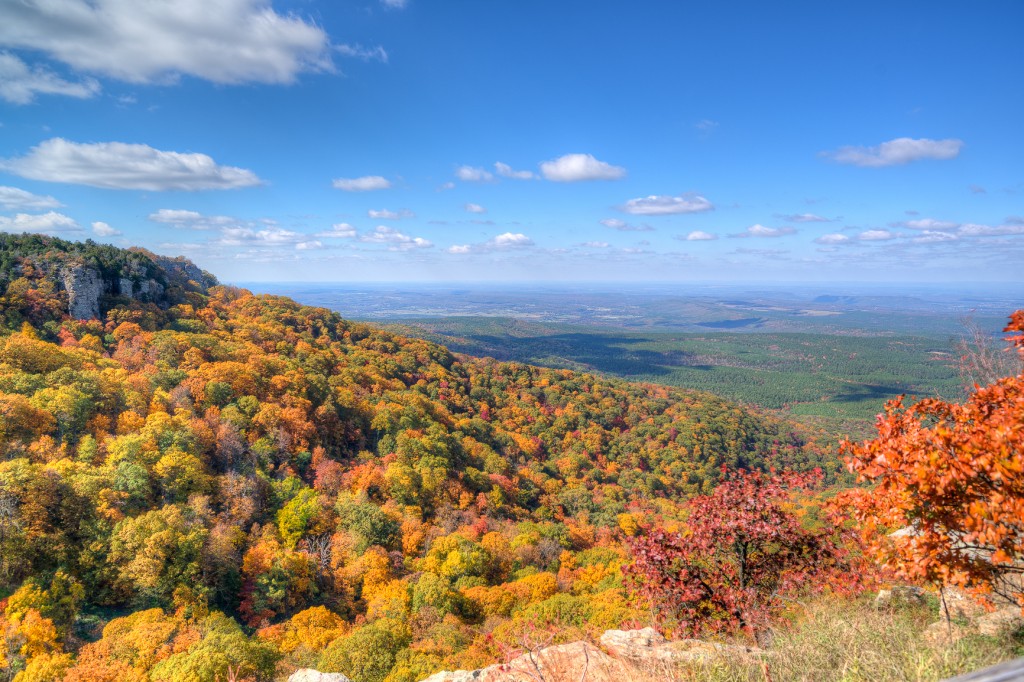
x=208, y=478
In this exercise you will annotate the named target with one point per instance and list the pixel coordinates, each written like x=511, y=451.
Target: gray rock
x=310, y=675
x=631, y=643
x=900, y=595
x=125, y=287
x=84, y=289
x=1000, y=622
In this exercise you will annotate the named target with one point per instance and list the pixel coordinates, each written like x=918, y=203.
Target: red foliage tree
x=951, y=476
x=742, y=552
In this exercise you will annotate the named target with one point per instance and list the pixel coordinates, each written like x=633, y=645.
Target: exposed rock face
x=309, y=675
x=622, y=655
x=84, y=288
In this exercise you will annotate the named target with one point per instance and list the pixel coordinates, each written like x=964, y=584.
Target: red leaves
x=953, y=476
x=741, y=553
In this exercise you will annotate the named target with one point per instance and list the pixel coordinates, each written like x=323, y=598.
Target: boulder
x=1000, y=622
x=310, y=675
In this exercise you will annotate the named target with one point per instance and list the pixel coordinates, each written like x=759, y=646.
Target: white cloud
x=144, y=41
x=192, y=220
x=579, y=167
x=395, y=240
x=974, y=230
x=700, y=236
x=364, y=53
x=805, y=218
x=511, y=240
x=117, y=165
x=444, y=187
x=14, y=198
x=338, y=231
x=310, y=245
x=927, y=224
x=48, y=223
x=394, y=4
x=239, y=235
x=929, y=237
x=596, y=245
x=623, y=226
x=666, y=205
x=706, y=126
x=505, y=171
x=759, y=230
x=367, y=183
x=876, y=236
x=473, y=174
x=475, y=208
x=20, y=83
x=502, y=242
x=385, y=214
x=834, y=238
x=897, y=152
x=102, y=229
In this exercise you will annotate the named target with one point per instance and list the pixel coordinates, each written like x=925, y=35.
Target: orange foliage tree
x=951, y=477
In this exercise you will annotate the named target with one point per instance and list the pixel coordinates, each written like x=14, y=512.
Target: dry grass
x=852, y=642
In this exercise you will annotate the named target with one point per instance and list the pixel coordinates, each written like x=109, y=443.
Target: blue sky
x=390, y=140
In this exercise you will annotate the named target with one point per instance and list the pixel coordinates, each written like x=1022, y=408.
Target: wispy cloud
x=395, y=240
x=506, y=171
x=897, y=152
x=364, y=53
x=117, y=165
x=366, y=183
x=805, y=218
x=667, y=205
x=927, y=224
x=475, y=208
x=623, y=226
x=152, y=41
x=473, y=174
x=385, y=214
x=338, y=231
x=579, y=168
x=192, y=220
x=20, y=83
x=502, y=242
x=15, y=198
x=834, y=238
x=759, y=230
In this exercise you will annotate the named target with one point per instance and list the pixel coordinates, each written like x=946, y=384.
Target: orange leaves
x=953, y=476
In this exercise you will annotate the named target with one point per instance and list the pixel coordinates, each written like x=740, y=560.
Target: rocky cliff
x=89, y=279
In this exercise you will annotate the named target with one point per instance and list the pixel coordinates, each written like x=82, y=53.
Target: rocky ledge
x=620, y=656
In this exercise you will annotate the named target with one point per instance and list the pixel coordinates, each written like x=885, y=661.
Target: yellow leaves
x=40, y=634
x=44, y=668
x=312, y=629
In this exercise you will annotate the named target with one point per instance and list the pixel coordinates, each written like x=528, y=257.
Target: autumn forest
x=201, y=482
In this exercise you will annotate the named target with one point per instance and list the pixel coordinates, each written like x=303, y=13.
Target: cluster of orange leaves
x=947, y=504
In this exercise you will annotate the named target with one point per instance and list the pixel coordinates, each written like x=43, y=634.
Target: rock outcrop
x=310, y=675
x=621, y=655
x=84, y=288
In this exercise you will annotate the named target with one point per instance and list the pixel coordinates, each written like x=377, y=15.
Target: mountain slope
x=210, y=458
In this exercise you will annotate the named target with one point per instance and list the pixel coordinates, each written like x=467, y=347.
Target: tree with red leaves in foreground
x=740, y=555
x=951, y=478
